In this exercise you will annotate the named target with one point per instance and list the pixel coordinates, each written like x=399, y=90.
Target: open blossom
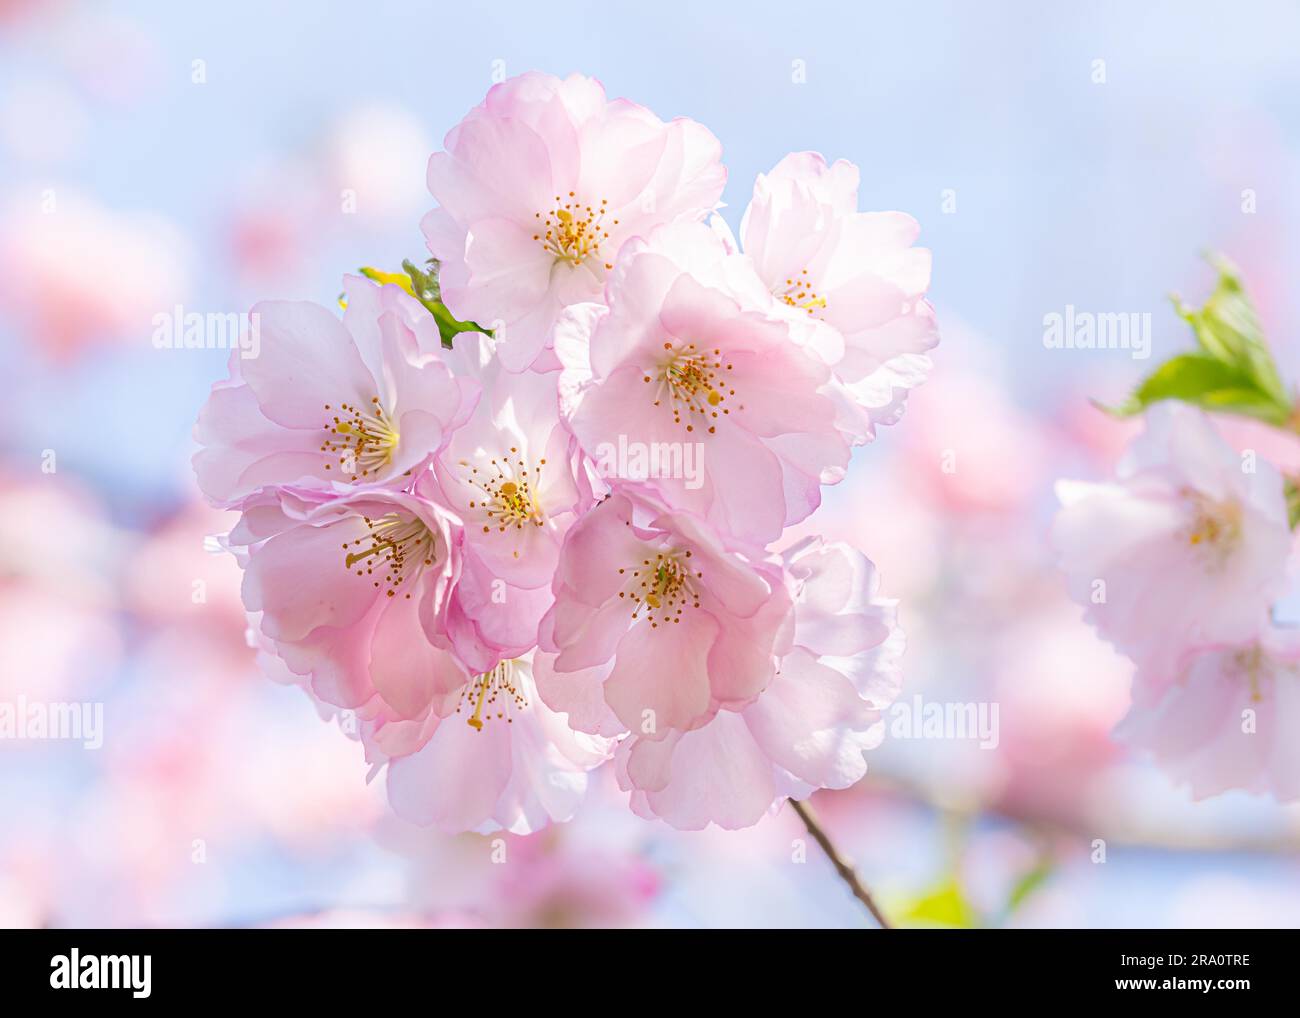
x=677, y=361
x=854, y=274
x=657, y=624
x=350, y=594
x=1187, y=547
x=1226, y=717
x=495, y=758
x=464, y=751
x=807, y=730
x=538, y=188
x=509, y=473
x=351, y=591
x=328, y=403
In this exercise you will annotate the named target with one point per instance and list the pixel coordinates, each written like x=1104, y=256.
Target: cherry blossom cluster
x=519, y=513
x=1181, y=559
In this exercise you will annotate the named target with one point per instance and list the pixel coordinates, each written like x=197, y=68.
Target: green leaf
x=1228, y=330
x=1205, y=381
x=1232, y=370
x=424, y=286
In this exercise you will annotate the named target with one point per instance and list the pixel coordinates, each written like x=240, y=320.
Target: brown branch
x=842, y=865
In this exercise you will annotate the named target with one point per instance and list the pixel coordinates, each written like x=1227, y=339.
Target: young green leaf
x=424, y=286
x=1232, y=370
x=1227, y=329
x=1203, y=381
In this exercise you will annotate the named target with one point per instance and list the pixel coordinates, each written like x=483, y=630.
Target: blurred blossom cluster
x=1182, y=560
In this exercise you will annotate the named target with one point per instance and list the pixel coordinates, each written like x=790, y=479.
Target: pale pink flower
x=538, y=188
x=678, y=361
x=808, y=729
x=1188, y=546
x=351, y=591
x=351, y=596
x=1227, y=717
x=1277, y=445
x=330, y=404
x=496, y=758
x=510, y=474
x=853, y=273
x=488, y=619
x=657, y=623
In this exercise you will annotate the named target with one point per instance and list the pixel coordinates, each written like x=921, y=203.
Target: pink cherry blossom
x=330, y=404
x=657, y=623
x=1226, y=718
x=499, y=759
x=488, y=620
x=360, y=627
x=677, y=362
x=351, y=591
x=1186, y=547
x=853, y=273
x=807, y=730
x=538, y=188
x=510, y=473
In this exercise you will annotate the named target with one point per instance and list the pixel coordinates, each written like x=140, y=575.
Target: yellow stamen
x=500, y=688
x=364, y=439
x=572, y=231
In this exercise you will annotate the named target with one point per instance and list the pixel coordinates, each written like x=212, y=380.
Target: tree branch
x=842, y=866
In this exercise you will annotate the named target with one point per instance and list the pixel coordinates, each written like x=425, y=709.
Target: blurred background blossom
x=158, y=154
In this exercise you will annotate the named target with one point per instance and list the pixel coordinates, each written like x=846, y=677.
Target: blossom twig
x=842, y=866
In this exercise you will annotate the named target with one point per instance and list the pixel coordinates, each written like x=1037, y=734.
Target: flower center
x=363, y=438
x=1215, y=526
x=573, y=231
x=662, y=587
x=694, y=384
x=509, y=491
x=496, y=693
x=799, y=293
x=399, y=547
